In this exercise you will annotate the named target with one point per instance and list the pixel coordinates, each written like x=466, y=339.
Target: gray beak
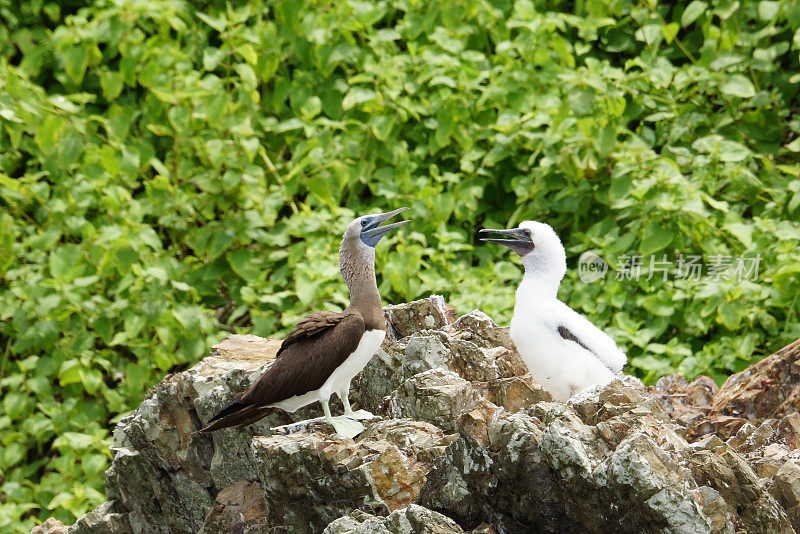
x=519, y=240
x=372, y=232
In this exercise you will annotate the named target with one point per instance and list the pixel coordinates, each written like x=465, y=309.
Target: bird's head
x=357, y=251
x=537, y=244
x=368, y=230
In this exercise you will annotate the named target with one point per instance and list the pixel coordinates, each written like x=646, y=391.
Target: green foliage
x=170, y=170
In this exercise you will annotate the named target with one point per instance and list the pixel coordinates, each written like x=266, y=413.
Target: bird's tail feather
x=235, y=413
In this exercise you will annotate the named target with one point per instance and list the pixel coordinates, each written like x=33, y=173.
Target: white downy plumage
x=564, y=352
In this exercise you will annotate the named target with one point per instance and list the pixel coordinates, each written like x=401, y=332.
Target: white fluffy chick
x=564, y=352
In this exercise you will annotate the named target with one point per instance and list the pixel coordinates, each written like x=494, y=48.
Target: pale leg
x=327, y=410
x=345, y=396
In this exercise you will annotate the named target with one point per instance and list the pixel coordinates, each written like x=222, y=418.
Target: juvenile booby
x=563, y=351
x=326, y=349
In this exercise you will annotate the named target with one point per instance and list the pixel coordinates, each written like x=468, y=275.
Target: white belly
x=339, y=381
x=561, y=367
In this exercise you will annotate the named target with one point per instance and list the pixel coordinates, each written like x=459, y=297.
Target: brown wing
x=309, y=326
x=308, y=356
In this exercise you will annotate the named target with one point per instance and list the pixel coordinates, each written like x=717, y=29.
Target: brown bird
x=326, y=349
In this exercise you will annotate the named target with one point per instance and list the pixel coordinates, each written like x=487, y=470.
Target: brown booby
x=326, y=349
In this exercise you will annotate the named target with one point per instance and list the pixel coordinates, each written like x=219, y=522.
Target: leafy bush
x=170, y=171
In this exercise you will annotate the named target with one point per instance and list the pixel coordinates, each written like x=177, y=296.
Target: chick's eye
x=528, y=233
x=363, y=223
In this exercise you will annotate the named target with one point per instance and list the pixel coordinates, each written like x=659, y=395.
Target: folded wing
x=578, y=329
x=319, y=343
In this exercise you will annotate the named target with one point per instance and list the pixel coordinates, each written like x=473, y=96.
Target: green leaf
x=112, y=83
x=649, y=33
x=245, y=263
x=180, y=286
x=656, y=305
x=733, y=151
x=692, y=12
x=10, y=115
x=74, y=440
x=248, y=53
x=357, y=95
x=69, y=373
x=13, y=453
x=670, y=31
x=63, y=260
x=212, y=58
x=94, y=464
x=311, y=107
x=76, y=59
x=743, y=232
x=14, y=405
x=47, y=134
x=767, y=10
x=60, y=500
x=188, y=316
x=794, y=146
x=606, y=140
x=738, y=85
x=218, y=23
x=247, y=75
x=730, y=315
x=91, y=379
x=654, y=238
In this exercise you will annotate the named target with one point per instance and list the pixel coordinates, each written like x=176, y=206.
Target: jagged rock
x=432, y=313
x=786, y=490
x=515, y=393
x=51, y=526
x=611, y=461
x=105, y=519
x=437, y=396
x=238, y=508
x=479, y=328
x=687, y=403
x=411, y=520
x=766, y=389
x=463, y=430
x=310, y=479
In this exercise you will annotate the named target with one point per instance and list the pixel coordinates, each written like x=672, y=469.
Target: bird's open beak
x=519, y=241
x=375, y=231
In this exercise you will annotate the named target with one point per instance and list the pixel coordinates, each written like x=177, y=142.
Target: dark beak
x=373, y=232
x=519, y=241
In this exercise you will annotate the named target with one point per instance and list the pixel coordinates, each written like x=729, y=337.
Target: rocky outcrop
x=463, y=440
x=609, y=461
x=411, y=520
x=51, y=526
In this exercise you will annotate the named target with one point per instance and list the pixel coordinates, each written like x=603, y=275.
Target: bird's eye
x=363, y=223
x=527, y=232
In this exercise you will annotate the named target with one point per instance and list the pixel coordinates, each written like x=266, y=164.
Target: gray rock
x=51, y=526
x=611, y=461
x=437, y=396
x=310, y=479
x=432, y=313
x=238, y=508
x=411, y=520
x=105, y=519
x=462, y=434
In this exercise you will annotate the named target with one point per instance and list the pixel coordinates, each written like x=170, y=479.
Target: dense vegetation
x=173, y=170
